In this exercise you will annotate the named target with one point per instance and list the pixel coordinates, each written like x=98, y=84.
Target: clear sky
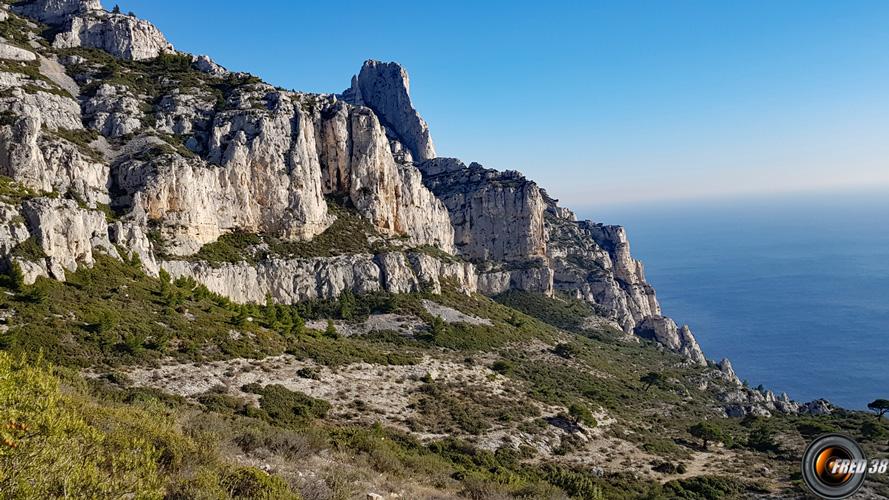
x=601, y=103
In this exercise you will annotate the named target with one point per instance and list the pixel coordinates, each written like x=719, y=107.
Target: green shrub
x=285, y=407
x=582, y=414
x=704, y=487
x=250, y=482
x=502, y=367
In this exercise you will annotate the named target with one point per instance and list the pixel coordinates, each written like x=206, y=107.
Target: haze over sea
x=794, y=289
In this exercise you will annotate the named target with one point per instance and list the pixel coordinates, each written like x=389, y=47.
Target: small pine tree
x=650, y=379
x=298, y=323
x=35, y=294
x=438, y=327
x=330, y=331
x=116, y=9
x=581, y=414
x=270, y=312
x=16, y=277
x=241, y=317
x=880, y=406
x=348, y=304
x=706, y=432
x=164, y=278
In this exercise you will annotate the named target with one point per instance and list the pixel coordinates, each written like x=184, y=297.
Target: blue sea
x=793, y=289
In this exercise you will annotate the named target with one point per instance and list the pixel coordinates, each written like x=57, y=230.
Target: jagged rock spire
x=385, y=88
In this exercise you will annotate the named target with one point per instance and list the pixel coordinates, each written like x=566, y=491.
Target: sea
x=793, y=289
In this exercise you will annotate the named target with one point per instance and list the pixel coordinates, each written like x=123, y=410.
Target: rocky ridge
x=161, y=153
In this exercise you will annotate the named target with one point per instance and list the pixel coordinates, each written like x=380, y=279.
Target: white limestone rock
x=68, y=235
x=385, y=88
x=533, y=279
x=131, y=236
x=52, y=111
x=497, y=216
x=290, y=281
x=664, y=331
x=120, y=35
x=13, y=53
x=56, y=11
x=32, y=154
x=206, y=65
x=113, y=111
x=356, y=160
x=12, y=228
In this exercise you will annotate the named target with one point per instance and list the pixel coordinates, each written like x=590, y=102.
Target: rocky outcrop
x=497, y=216
x=664, y=331
x=113, y=111
x=12, y=228
x=206, y=65
x=33, y=153
x=120, y=35
x=55, y=11
x=290, y=281
x=84, y=23
x=538, y=279
x=385, y=88
x=13, y=53
x=358, y=162
x=593, y=262
x=68, y=235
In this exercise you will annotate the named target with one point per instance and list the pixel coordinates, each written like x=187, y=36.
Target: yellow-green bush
x=56, y=441
x=49, y=449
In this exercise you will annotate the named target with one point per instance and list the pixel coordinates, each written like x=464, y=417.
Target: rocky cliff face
x=83, y=23
x=385, y=88
x=114, y=147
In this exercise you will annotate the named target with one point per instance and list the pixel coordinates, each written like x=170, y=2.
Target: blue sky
x=601, y=103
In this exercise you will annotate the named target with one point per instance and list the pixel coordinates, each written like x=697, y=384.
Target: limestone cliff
x=385, y=88
x=121, y=143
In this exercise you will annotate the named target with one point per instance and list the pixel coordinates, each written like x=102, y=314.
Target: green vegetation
x=881, y=406
x=29, y=250
x=650, y=379
x=14, y=193
x=348, y=235
x=452, y=408
x=285, y=407
x=582, y=414
x=120, y=450
x=706, y=432
x=82, y=139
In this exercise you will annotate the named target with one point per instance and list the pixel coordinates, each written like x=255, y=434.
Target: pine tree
x=16, y=277
x=330, y=331
x=116, y=9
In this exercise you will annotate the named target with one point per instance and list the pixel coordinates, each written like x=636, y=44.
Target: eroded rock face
x=68, y=235
x=593, y=262
x=32, y=152
x=13, y=53
x=534, y=279
x=12, y=228
x=118, y=34
x=113, y=111
x=357, y=161
x=293, y=280
x=664, y=331
x=497, y=216
x=56, y=11
x=385, y=88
